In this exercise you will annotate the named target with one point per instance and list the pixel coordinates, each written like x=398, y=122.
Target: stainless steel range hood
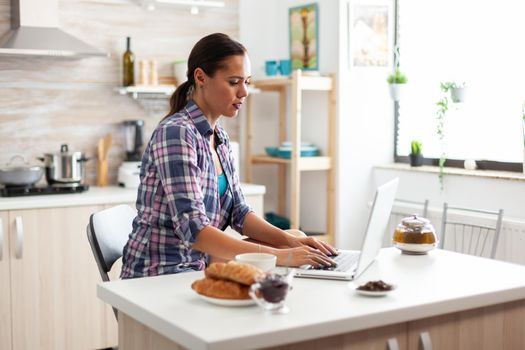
x=34, y=32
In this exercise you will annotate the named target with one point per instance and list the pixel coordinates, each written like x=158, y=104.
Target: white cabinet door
x=53, y=282
x=5, y=284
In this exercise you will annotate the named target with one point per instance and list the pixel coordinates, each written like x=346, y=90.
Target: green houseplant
x=396, y=81
x=416, y=157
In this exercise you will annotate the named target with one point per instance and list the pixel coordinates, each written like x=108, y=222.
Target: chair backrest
x=412, y=207
x=401, y=209
x=108, y=232
x=471, y=231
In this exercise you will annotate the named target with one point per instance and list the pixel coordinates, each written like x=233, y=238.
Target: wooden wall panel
x=45, y=102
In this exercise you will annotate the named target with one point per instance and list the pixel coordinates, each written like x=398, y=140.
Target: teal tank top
x=223, y=184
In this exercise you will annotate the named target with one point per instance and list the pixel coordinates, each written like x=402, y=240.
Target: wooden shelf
x=290, y=90
x=313, y=83
x=136, y=91
x=305, y=163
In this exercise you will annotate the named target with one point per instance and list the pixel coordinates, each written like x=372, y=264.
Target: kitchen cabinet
x=52, y=282
x=5, y=285
x=494, y=327
x=297, y=84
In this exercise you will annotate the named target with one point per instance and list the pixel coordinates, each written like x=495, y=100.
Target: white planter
x=523, y=161
x=458, y=95
x=396, y=91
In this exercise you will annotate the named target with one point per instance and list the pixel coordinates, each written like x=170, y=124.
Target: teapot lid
x=415, y=221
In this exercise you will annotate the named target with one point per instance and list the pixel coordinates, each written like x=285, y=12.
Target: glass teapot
x=415, y=235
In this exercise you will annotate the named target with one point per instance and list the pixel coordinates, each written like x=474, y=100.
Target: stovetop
x=41, y=190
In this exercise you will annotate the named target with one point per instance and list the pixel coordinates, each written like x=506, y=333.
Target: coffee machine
x=129, y=171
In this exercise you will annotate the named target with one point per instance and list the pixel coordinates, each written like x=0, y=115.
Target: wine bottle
x=128, y=60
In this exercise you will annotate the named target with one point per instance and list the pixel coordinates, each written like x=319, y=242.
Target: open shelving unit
x=292, y=88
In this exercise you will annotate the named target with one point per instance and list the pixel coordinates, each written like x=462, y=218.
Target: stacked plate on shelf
x=285, y=150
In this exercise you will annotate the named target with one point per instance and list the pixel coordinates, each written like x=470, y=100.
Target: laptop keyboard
x=344, y=260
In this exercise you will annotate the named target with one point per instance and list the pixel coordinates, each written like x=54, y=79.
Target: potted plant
x=416, y=157
x=457, y=91
x=396, y=82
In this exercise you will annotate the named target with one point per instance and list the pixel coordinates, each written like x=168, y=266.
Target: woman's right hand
x=303, y=255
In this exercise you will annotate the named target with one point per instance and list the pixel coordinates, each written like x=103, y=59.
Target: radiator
x=511, y=245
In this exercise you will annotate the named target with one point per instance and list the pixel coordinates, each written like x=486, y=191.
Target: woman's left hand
x=313, y=242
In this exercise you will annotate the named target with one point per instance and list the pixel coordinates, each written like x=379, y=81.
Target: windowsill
x=491, y=174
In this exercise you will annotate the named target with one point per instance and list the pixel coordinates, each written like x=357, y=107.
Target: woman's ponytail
x=179, y=98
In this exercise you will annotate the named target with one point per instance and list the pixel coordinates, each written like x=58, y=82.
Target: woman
x=189, y=190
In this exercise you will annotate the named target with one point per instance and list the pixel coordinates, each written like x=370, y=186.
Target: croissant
x=220, y=289
x=234, y=271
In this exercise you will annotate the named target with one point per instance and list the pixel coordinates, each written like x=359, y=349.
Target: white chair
x=464, y=232
x=107, y=233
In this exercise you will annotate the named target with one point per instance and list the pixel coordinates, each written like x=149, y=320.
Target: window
x=479, y=43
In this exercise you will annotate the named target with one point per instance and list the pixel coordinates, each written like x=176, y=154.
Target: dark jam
x=274, y=288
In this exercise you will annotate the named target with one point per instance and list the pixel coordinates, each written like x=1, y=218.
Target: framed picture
x=304, y=37
x=371, y=33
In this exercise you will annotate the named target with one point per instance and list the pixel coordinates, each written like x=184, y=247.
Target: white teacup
x=264, y=261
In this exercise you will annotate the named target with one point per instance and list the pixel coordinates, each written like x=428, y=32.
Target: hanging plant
x=442, y=111
x=396, y=82
x=458, y=91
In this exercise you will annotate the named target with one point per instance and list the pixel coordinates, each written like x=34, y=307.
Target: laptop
x=351, y=263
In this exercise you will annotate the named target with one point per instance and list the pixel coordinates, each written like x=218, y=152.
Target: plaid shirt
x=179, y=195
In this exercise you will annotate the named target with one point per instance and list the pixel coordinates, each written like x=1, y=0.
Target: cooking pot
x=64, y=167
x=20, y=174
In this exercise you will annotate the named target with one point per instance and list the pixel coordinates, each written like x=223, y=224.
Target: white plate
x=228, y=302
x=369, y=293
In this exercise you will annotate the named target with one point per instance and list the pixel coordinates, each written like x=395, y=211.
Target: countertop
x=438, y=283
x=95, y=195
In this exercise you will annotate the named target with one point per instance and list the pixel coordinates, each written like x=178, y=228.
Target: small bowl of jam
x=271, y=290
x=375, y=288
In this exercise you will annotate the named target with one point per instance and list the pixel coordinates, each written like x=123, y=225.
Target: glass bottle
x=128, y=60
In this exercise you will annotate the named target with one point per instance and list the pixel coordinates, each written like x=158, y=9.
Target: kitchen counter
x=439, y=283
x=95, y=195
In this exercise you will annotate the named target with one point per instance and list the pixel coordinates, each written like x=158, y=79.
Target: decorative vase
x=416, y=159
x=458, y=95
x=396, y=91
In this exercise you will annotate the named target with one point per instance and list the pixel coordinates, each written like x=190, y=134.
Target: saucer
x=370, y=293
x=228, y=302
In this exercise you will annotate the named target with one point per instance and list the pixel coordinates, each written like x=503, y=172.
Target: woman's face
x=224, y=93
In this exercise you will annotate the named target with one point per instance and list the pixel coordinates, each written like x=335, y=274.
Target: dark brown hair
x=209, y=54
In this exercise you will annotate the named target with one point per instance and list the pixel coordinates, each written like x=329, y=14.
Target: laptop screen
x=377, y=223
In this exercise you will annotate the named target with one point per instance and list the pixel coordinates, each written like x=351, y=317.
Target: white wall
x=365, y=138
x=264, y=32
x=365, y=128
x=468, y=191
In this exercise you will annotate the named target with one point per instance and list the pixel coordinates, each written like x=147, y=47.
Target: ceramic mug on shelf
x=272, y=68
x=285, y=67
